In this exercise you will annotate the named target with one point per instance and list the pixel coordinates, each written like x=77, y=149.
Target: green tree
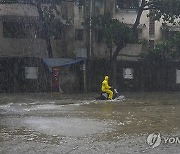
x=161, y=52
x=119, y=34
x=177, y=42
x=46, y=16
x=168, y=10
x=115, y=33
x=164, y=50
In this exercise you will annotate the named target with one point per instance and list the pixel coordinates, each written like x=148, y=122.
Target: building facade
x=23, y=47
x=21, y=31
x=22, y=36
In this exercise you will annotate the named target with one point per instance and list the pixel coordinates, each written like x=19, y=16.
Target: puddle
x=65, y=126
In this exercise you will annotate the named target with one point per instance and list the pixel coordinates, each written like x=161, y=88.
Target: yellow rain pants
x=106, y=88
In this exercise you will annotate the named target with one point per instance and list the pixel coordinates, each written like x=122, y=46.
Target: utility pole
x=88, y=64
x=87, y=67
x=90, y=28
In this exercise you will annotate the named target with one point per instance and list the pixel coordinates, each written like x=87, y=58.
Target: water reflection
x=67, y=124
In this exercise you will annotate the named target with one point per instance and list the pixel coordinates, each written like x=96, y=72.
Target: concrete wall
x=31, y=46
x=21, y=47
x=24, y=10
x=130, y=52
x=79, y=16
x=145, y=33
x=76, y=16
x=129, y=17
x=27, y=46
x=16, y=9
x=126, y=16
x=79, y=23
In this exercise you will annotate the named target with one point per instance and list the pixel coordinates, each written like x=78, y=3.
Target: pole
x=86, y=73
x=84, y=76
x=90, y=29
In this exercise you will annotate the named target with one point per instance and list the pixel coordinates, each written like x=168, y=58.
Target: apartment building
x=22, y=35
x=21, y=31
x=24, y=64
x=123, y=10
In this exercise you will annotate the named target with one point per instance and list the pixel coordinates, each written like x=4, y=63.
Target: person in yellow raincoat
x=106, y=88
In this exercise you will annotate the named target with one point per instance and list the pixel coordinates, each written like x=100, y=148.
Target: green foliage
x=168, y=10
x=177, y=42
x=114, y=31
x=161, y=52
x=144, y=43
x=164, y=50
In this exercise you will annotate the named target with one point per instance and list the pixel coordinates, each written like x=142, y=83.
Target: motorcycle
x=116, y=96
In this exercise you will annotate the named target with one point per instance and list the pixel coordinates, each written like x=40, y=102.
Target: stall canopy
x=59, y=62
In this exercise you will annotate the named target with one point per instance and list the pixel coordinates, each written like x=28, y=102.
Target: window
x=151, y=44
x=128, y=4
x=79, y=34
x=98, y=36
x=151, y=26
x=16, y=1
x=45, y=1
x=31, y=1
x=79, y=2
x=51, y=1
x=55, y=31
x=98, y=3
x=15, y=29
x=24, y=1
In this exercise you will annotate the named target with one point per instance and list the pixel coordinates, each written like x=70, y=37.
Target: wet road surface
x=71, y=124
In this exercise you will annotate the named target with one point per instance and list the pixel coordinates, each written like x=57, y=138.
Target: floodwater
x=71, y=124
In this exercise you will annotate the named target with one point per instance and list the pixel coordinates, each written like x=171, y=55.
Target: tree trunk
x=121, y=45
x=114, y=63
x=135, y=25
x=114, y=72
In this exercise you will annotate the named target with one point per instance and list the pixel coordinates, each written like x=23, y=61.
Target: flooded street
x=71, y=124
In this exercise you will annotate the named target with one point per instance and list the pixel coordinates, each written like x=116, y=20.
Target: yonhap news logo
x=155, y=139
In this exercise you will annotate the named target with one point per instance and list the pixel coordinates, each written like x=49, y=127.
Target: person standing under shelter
x=106, y=88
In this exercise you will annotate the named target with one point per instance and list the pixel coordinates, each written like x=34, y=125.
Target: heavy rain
x=55, y=123
x=89, y=76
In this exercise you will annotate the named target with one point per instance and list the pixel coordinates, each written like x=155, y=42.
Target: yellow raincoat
x=106, y=87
